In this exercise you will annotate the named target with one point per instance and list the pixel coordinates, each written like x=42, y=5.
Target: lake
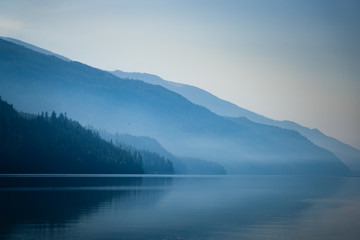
x=178, y=207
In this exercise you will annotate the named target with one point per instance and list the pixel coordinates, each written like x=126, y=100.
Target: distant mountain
x=196, y=95
x=35, y=82
x=149, y=146
x=34, y=48
x=349, y=155
x=55, y=144
x=153, y=161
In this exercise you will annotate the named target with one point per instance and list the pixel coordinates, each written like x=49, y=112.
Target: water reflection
x=172, y=207
x=52, y=203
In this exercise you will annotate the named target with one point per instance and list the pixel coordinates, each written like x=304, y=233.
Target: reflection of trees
x=190, y=208
x=55, y=201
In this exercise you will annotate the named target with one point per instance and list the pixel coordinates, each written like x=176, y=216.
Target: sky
x=295, y=60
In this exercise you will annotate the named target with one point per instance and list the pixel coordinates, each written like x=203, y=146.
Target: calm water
x=175, y=207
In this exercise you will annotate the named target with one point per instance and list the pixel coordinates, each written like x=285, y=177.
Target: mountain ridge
x=34, y=48
x=37, y=82
x=348, y=154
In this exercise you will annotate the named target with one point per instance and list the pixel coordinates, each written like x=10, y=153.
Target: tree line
x=47, y=143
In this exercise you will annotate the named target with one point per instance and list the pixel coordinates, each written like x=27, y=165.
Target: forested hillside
x=56, y=144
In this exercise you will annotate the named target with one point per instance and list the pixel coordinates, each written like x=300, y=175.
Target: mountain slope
x=150, y=145
x=36, y=82
x=154, y=162
x=43, y=144
x=34, y=48
x=195, y=95
x=349, y=155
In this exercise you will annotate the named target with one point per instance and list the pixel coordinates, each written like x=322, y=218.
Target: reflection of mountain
x=55, y=202
x=156, y=207
x=349, y=155
x=207, y=208
x=35, y=82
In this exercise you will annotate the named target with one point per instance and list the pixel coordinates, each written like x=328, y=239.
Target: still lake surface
x=179, y=207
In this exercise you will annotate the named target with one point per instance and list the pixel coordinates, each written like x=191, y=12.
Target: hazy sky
x=286, y=59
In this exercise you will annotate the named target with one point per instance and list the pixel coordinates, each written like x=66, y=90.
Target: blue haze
x=35, y=82
x=282, y=59
x=349, y=155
